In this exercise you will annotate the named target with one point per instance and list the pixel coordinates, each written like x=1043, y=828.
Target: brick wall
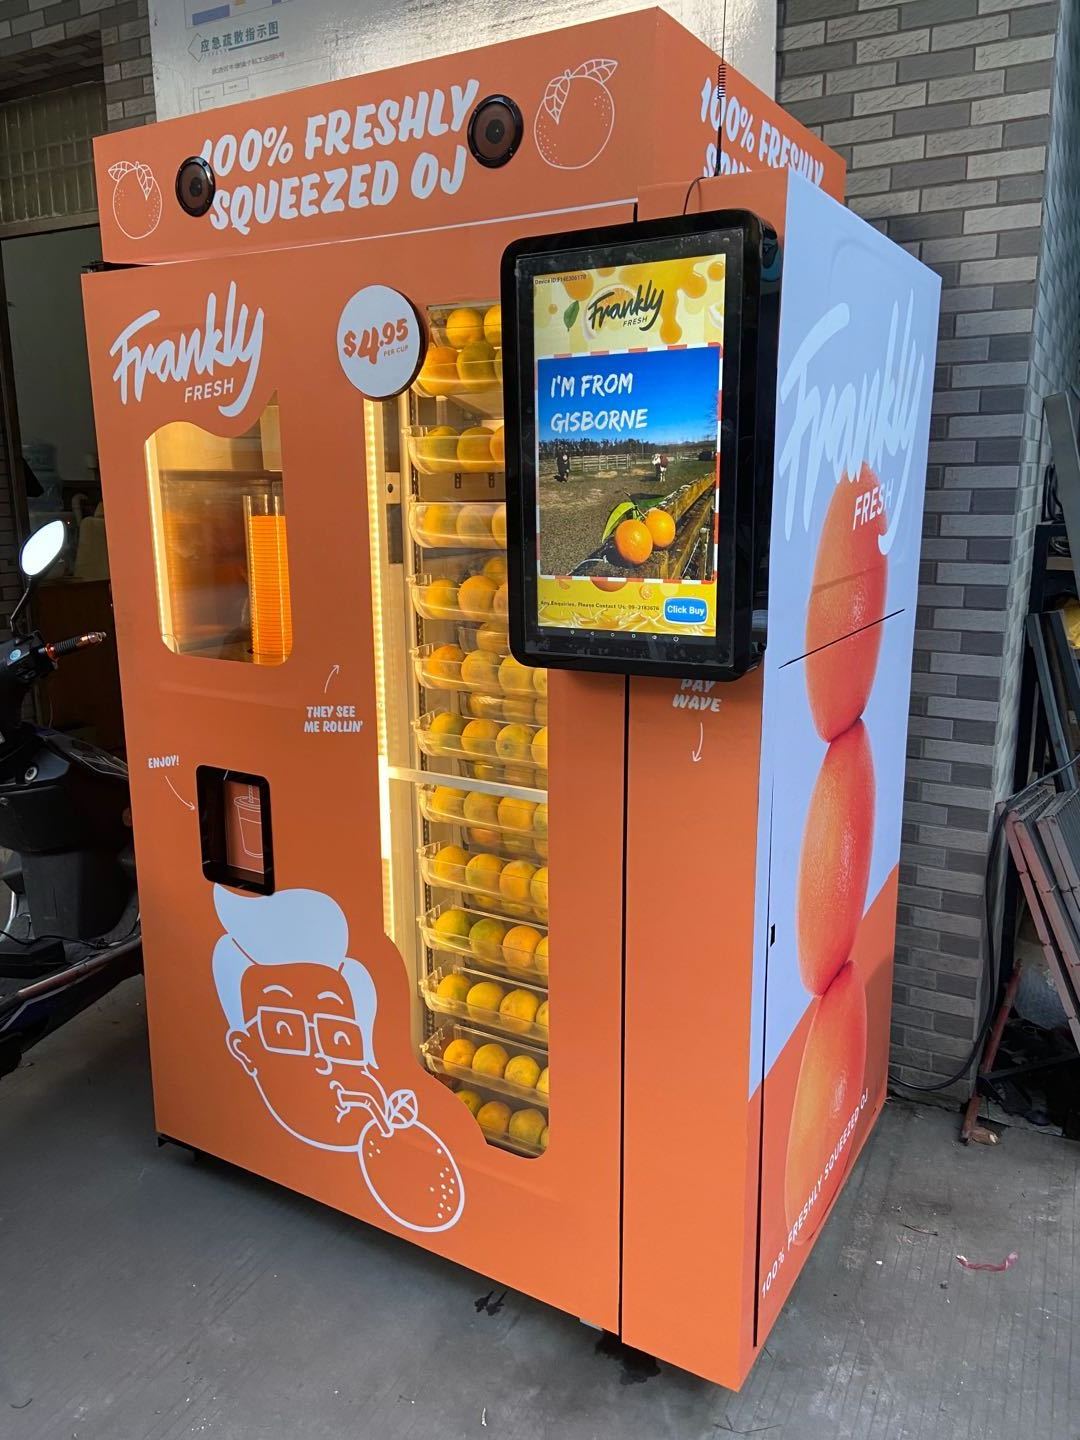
x=941, y=108
x=53, y=35
x=125, y=45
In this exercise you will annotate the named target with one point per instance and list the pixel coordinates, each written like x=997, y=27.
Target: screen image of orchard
x=627, y=457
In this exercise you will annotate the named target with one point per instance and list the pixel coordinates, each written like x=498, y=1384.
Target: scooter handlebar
x=61, y=648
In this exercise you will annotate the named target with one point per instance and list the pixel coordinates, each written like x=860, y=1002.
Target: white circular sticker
x=380, y=342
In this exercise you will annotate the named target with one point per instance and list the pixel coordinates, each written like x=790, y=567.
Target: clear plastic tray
x=458, y=524
x=478, y=814
x=445, y=450
x=506, y=887
x=470, y=737
x=477, y=763
x=469, y=600
x=491, y=1018
x=505, y=1141
x=432, y=1050
x=447, y=666
x=490, y=953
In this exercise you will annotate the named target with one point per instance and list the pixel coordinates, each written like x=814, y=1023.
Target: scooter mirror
x=43, y=548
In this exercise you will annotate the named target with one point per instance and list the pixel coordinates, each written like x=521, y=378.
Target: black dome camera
x=495, y=131
x=195, y=186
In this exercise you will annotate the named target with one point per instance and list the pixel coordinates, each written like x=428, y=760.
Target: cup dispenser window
x=220, y=543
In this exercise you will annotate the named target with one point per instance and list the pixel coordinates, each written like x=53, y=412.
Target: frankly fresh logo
x=204, y=352
x=619, y=305
x=870, y=417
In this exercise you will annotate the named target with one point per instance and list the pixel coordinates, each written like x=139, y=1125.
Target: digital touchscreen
x=629, y=371
x=639, y=364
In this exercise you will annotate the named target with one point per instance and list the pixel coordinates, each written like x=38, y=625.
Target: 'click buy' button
x=683, y=611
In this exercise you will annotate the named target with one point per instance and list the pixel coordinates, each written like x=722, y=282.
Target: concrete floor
x=147, y=1297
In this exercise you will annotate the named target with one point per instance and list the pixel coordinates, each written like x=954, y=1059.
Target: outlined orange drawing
x=136, y=198
x=576, y=116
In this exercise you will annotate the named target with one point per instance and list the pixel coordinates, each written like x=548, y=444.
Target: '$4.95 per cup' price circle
x=380, y=342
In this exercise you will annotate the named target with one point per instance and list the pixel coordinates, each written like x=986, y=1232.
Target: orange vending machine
x=575, y=975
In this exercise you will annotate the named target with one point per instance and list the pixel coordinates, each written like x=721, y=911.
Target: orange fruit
x=498, y=446
x=539, y=747
x=827, y=1095
x=492, y=639
x=513, y=742
x=498, y=528
x=448, y=864
x=661, y=527
x=514, y=880
x=540, y=957
x=446, y=723
x=501, y=603
x=633, y=542
x=485, y=995
x=538, y=888
x=455, y=987
x=520, y=945
x=527, y=1126
x=475, y=597
x=439, y=374
x=485, y=938
x=444, y=663
x=464, y=327
x=834, y=866
x=490, y=1059
x=479, y=669
x=470, y=1098
x=460, y=1051
x=523, y=1070
x=495, y=569
x=478, y=737
x=609, y=582
x=453, y=924
x=513, y=676
x=518, y=1008
x=482, y=873
x=476, y=367
x=473, y=524
x=493, y=326
x=494, y=1117
x=474, y=446
x=847, y=595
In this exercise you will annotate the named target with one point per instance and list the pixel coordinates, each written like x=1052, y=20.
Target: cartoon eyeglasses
x=289, y=1032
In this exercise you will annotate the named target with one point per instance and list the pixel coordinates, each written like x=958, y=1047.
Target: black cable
x=99, y=943
x=991, y=976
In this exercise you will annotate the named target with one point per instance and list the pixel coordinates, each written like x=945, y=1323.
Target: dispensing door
x=380, y=862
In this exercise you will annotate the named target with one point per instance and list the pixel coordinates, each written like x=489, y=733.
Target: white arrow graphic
x=334, y=670
x=695, y=755
x=176, y=792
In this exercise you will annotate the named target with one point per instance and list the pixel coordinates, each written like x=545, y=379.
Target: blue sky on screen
x=677, y=388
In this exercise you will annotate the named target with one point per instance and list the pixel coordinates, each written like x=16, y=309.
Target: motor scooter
x=73, y=929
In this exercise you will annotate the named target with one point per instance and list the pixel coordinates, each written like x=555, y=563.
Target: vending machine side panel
x=284, y=1015
x=690, y=1157
x=854, y=383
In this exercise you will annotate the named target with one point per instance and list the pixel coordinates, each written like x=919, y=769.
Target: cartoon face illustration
x=300, y=1017
x=300, y=1012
